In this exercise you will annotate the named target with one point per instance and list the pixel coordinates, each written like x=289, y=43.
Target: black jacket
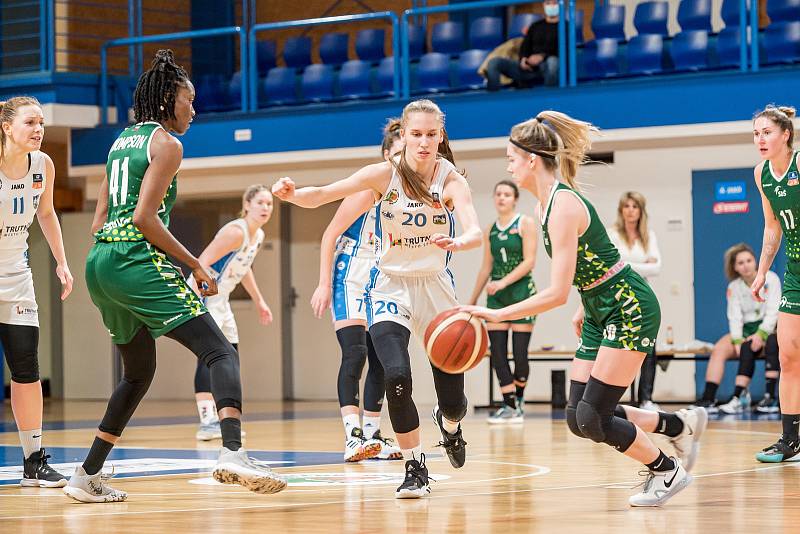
x=542, y=38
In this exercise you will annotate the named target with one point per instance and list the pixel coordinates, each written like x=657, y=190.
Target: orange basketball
x=456, y=341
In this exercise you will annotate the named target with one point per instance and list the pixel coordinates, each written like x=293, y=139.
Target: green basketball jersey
x=596, y=253
x=783, y=194
x=506, y=247
x=128, y=160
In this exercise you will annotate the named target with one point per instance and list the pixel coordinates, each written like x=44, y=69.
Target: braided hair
x=154, y=98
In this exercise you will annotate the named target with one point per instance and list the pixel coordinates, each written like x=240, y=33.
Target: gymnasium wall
x=656, y=161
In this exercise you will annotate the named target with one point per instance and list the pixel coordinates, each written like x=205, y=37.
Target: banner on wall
x=728, y=191
x=727, y=208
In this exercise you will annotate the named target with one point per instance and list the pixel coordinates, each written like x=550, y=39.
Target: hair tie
x=539, y=153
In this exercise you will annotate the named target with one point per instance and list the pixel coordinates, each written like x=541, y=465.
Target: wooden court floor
x=534, y=477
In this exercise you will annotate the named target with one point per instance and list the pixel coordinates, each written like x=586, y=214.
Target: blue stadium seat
x=297, y=52
x=520, y=23
x=783, y=10
x=695, y=15
x=782, y=42
x=212, y=93
x=416, y=42
x=333, y=48
x=265, y=56
x=608, y=22
x=600, y=58
x=448, y=38
x=434, y=72
x=690, y=50
x=644, y=54
x=485, y=33
x=651, y=18
x=386, y=76
x=579, y=26
x=728, y=47
x=730, y=12
x=235, y=90
x=280, y=86
x=317, y=82
x=467, y=73
x=370, y=44
x=354, y=79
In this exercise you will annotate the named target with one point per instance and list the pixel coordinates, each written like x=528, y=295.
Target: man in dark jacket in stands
x=538, y=55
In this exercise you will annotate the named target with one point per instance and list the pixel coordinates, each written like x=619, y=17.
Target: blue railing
x=215, y=32
x=422, y=11
x=252, y=79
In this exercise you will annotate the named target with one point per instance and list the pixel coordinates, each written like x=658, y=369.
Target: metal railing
x=422, y=11
x=215, y=32
x=252, y=78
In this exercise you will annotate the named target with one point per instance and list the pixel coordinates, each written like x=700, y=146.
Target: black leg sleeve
x=374, y=389
x=519, y=343
x=391, y=346
x=498, y=346
x=647, y=377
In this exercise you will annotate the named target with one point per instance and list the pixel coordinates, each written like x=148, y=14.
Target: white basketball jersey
x=359, y=239
x=231, y=268
x=19, y=200
x=405, y=227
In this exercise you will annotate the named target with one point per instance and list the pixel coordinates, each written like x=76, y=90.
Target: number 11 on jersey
x=114, y=185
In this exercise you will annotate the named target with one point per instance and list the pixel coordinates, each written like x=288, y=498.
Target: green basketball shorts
x=516, y=292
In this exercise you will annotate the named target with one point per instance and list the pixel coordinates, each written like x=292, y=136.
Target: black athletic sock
x=662, y=463
x=669, y=424
x=519, y=391
x=737, y=391
x=790, y=426
x=97, y=456
x=510, y=399
x=711, y=391
x=231, y=429
x=771, y=383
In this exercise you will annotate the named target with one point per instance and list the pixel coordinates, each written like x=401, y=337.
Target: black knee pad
x=619, y=411
x=402, y=410
x=595, y=416
x=519, y=347
x=747, y=360
x=498, y=348
x=21, y=346
x=771, y=354
x=353, y=341
x=576, y=390
x=454, y=411
x=373, y=384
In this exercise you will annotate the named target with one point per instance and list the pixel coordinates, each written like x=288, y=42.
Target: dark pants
x=546, y=72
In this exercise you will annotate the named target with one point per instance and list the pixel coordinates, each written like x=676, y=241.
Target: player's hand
x=756, y=343
x=445, y=242
x=577, y=321
x=490, y=316
x=321, y=300
x=284, y=189
x=205, y=282
x=494, y=286
x=757, y=285
x=65, y=277
x=264, y=313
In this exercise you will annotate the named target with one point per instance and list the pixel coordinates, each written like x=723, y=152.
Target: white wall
x=657, y=162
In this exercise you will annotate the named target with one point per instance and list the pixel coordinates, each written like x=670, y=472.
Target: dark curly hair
x=154, y=98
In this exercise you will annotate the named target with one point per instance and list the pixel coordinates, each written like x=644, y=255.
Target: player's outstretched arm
x=373, y=177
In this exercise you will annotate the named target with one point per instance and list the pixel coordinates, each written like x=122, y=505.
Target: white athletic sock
x=412, y=454
x=208, y=411
x=449, y=426
x=350, y=422
x=371, y=425
x=31, y=441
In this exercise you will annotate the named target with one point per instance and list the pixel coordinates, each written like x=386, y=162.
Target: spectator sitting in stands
x=538, y=55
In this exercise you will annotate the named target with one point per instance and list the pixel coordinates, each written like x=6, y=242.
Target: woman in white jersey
x=638, y=248
x=420, y=190
x=347, y=253
x=619, y=315
x=26, y=189
x=229, y=258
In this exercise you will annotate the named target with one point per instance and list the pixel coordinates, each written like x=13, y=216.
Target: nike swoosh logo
x=37, y=437
x=668, y=483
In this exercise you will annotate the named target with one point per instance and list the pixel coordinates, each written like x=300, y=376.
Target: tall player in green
x=509, y=253
x=142, y=295
x=619, y=316
x=778, y=181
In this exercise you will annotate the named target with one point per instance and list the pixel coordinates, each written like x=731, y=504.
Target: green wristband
x=762, y=334
x=737, y=341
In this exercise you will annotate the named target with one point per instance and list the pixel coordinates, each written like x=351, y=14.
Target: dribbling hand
x=284, y=189
x=321, y=300
x=205, y=283
x=756, y=287
x=490, y=316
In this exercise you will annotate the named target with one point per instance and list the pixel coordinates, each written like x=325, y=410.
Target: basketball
x=456, y=341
